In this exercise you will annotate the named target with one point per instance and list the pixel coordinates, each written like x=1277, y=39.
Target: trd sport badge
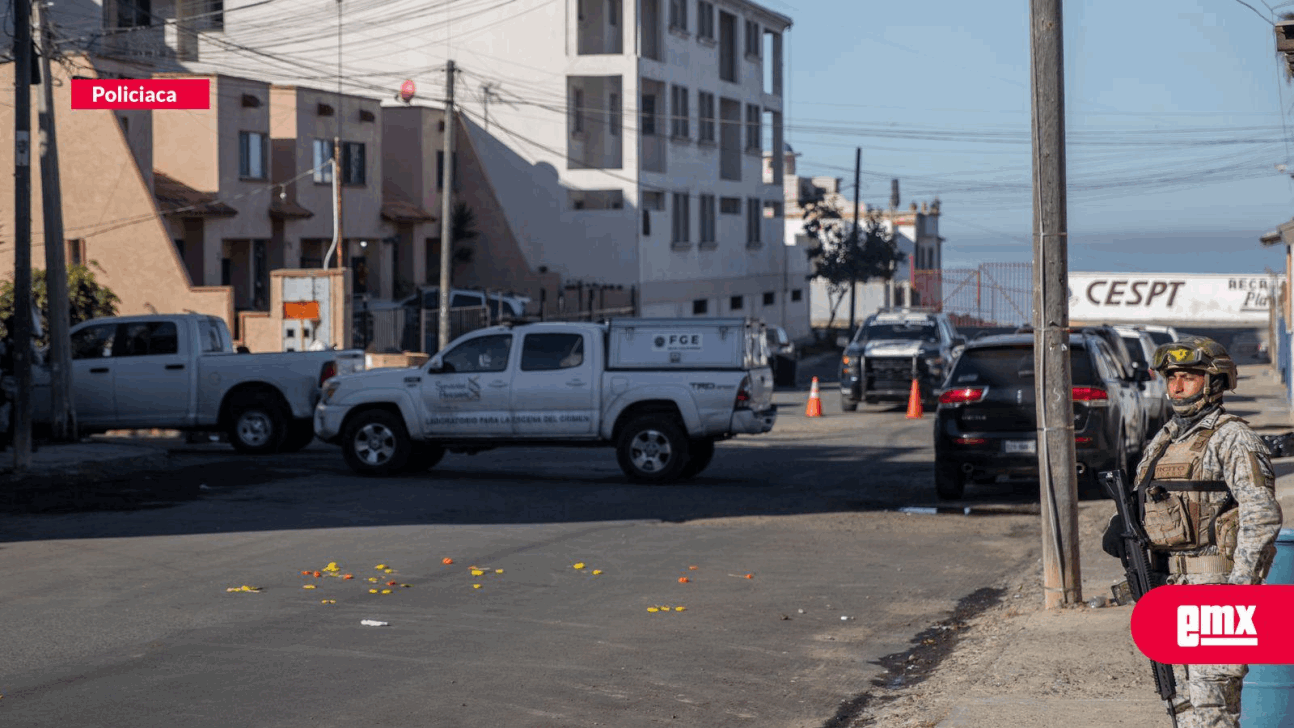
x=1216, y=624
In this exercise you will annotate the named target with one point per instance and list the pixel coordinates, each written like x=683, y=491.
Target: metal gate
x=992, y=294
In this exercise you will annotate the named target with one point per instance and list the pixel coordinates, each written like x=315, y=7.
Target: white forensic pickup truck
x=661, y=391
x=180, y=371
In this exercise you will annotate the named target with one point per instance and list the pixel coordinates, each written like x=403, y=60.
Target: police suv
x=891, y=349
x=660, y=391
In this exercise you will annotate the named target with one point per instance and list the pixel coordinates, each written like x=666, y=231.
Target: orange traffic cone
x=914, y=402
x=814, y=408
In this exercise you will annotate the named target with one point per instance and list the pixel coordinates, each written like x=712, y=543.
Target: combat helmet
x=1201, y=353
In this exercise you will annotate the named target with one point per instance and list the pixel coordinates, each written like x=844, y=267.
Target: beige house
x=110, y=215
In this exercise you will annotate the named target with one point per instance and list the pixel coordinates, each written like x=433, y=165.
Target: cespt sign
x=1216, y=625
x=1157, y=297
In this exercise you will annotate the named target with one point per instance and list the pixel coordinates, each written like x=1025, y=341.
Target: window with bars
x=680, y=115
x=705, y=123
x=754, y=220
x=682, y=218
x=707, y=212
x=753, y=128
x=753, y=38
x=678, y=14
x=705, y=19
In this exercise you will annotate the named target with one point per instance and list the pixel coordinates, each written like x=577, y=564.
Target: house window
x=440, y=171
x=353, y=163
x=648, y=125
x=730, y=205
x=653, y=200
x=705, y=20
x=736, y=303
x=613, y=114
x=705, y=104
x=754, y=219
x=700, y=307
x=679, y=121
x=753, y=123
x=682, y=218
x=707, y=219
x=769, y=298
x=322, y=153
x=597, y=199
x=797, y=295
x=577, y=111
x=252, y=155
x=727, y=47
x=678, y=14
x=359, y=273
x=134, y=13
x=75, y=254
x=752, y=39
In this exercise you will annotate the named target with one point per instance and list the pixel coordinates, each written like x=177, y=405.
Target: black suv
x=986, y=421
x=878, y=364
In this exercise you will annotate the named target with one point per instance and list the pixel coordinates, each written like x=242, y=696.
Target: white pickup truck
x=180, y=371
x=661, y=391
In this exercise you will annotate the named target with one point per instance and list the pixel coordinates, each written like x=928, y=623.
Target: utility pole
x=63, y=418
x=22, y=323
x=853, y=237
x=1062, y=581
x=446, y=208
x=340, y=240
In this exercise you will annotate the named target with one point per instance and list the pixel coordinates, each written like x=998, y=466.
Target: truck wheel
x=848, y=405
x=256, y=426
x=300, y=434
x=376, y=443
x=949, y=482
x=652, y=449
x=424, y=457
x=700, y=453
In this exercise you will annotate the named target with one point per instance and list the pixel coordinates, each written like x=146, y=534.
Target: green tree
x=848, y=253
x=86, y=298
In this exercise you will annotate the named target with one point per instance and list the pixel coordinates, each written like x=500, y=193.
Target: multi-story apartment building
x=621, y=140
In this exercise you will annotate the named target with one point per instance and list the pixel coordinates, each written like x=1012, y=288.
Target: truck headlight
x=329, y=389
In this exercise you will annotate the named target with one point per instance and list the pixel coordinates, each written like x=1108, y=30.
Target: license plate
x=1021, y=446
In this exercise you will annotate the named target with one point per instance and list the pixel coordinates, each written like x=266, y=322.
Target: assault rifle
x=1141, y=578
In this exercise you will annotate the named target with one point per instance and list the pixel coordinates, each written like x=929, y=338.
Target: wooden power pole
x=1062, y=581
x=22, y=323
x=446, y=207
x=63, y=414
x=853, y=238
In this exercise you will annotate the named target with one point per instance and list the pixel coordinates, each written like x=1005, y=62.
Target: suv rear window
x=1008, y=365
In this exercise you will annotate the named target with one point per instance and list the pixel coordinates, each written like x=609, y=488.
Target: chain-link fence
x=992, y=294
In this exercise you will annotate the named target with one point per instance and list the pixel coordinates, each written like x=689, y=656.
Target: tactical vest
x=1177, y=510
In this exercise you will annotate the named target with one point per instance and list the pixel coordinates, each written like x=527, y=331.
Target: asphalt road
x=809, y=588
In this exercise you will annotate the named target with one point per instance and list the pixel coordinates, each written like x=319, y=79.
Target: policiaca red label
x=1216, y=624
x=141, y=93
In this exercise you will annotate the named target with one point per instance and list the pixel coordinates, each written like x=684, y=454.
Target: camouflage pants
x=1208, y=696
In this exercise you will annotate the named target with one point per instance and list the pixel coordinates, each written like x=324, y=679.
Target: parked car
x=661, y=392
x=1160, y=334
x=1249, y=346
x=783, y=357
x=1139, y=417
x=889, y=350
x=180, y=372
x=1154, y=388
x=986, y=421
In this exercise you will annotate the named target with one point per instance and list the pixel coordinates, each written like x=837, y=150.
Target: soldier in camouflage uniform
x=1207, y=496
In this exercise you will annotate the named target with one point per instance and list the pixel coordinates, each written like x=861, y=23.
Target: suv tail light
x=328, y=372
x=963, y=395
x=1094, y=396
x=743, y=394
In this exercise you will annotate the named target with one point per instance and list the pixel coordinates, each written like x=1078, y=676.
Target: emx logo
x=1215, y=624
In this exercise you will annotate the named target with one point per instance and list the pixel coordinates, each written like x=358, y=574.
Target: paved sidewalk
x=1021, y=665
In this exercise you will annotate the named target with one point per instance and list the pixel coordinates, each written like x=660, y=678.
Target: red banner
x=141, y=93
x=1216, y=624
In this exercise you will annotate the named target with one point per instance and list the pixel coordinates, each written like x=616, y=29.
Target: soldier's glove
x=1112, y=540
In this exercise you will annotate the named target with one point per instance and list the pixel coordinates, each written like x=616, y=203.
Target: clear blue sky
x=1174, y=116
